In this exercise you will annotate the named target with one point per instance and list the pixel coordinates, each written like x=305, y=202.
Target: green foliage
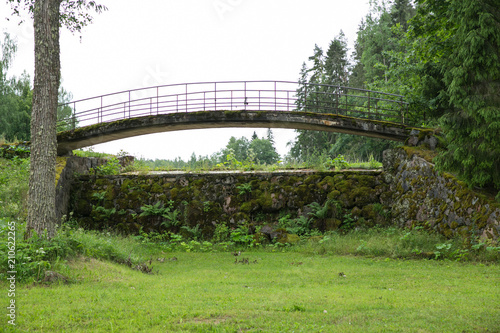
x=348, y=222
x=373, y=162
x=112, y=167
x=329, y=70
x=243, y=154
x=15, y=151
x=157, y=209
x=15, y=96
x=195, y=232
x=14, y=175
x=65, y=119
x=221, y=233
x=37, y=254
x=318, y=211
x=461, y=40
x=244, y=189
x=444, y=58
x=299, y=226
x=90, y=153
x=16, y=99
x=241, y=236
x=172, y=218
x=263, y=151
x=339, y=163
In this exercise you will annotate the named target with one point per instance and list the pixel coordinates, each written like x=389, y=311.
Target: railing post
x=402, y=111
x=215, y=94
x=186, y=97
x=275, y=106
x=317, y=102
x=245, y=99
x=368, y=101
x=346, y=105
x=337, y=100
x=100, y=113
x=74, y=115
x=305, y=97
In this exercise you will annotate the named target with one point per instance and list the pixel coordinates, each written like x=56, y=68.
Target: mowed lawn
x=274, y=292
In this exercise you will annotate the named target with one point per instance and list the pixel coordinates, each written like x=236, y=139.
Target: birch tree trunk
x=42, y=189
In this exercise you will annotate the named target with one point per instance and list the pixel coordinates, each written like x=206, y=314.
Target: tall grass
x=14, y=175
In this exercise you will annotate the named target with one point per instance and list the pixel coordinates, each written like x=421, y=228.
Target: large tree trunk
x=42, y=189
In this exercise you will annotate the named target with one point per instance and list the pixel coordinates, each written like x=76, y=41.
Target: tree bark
x=42, y=189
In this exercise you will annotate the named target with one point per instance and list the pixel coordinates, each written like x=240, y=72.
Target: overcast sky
x=145, y=43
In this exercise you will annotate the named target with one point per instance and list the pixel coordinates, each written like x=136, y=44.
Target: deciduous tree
x=48, y=16
x=15, y=96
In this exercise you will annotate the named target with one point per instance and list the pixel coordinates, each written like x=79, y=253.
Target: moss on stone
x=60, y=165
x=422, y=152
x=333, y=195
x=313, y=179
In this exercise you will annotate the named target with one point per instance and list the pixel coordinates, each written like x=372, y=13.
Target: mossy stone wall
x=420, y=196
x=67, y=169
x=240, y=198
x=408, y=193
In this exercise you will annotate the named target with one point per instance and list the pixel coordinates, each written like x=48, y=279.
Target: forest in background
x=442, y=56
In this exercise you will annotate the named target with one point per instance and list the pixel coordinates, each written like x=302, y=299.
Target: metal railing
x=236, y=95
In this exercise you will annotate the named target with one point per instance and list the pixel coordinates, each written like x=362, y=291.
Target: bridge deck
x=267, y=104
x=105, y=132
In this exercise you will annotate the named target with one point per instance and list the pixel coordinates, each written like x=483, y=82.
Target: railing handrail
x=224, y=82
x=217, y=96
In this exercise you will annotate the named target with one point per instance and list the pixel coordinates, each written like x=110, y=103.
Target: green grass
x=208, y=292
x=13, y=187
x=289, y=289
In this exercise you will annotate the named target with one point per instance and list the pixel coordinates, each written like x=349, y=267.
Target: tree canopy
x=460, y=42
x=15, y=96
x=443, y=56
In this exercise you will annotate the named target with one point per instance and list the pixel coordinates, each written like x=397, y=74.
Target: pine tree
x=337, y=63
x=302, y=89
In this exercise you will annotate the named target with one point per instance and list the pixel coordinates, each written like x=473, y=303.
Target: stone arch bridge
x=268, y=104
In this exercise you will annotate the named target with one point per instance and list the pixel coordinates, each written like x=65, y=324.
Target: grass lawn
x=281, y=292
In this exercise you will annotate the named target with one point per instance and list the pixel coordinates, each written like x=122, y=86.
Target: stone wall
x=420, y=196
x=68, y=169
x=208, y=199
x=21, y=150
x=408, y=193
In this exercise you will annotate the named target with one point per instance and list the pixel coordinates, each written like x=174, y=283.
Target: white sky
x=145, y=43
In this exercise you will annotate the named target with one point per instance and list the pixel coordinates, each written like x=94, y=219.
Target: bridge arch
x=267, y=104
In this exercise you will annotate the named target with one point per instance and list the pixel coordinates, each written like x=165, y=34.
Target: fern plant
x=172, y=219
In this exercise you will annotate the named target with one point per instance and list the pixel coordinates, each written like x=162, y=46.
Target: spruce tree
x=462, y=39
